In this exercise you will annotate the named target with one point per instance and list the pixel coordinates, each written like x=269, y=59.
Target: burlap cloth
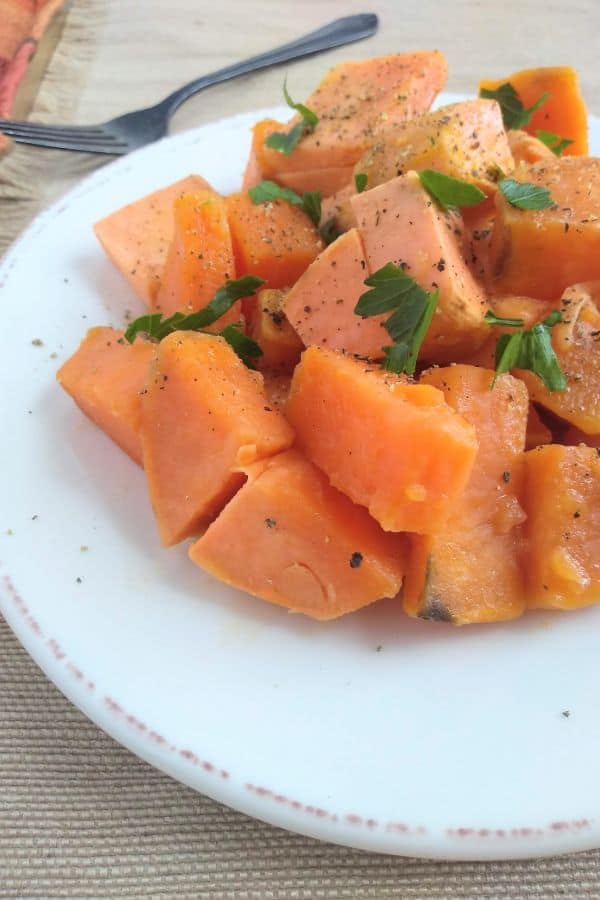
x=79, y=815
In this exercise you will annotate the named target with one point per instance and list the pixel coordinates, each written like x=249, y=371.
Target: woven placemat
x=82, y=817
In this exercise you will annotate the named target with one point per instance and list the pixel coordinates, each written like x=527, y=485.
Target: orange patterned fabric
x=22, y=23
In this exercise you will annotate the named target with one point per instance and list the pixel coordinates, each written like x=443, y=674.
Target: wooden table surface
x=479, y=37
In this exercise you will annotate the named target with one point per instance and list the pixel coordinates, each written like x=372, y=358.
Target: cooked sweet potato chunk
x=321, y=304
x=469, y=571
x=400, y=223
x=394, y=447
x=204, y=417
x=541, y=252
x=104, y=377
x=562, y=501
x=200, y=258
x=137, y=237
x=292, y=539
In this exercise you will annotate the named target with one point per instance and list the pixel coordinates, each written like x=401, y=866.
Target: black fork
x=135, y=129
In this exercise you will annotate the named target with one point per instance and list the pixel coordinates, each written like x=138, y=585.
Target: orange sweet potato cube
x=105, y=377
x=137, y=237
x=396, y=448
x=204, y=417
x=292, y=539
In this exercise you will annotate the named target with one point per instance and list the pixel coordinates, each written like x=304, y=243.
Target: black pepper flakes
x=270, y=523
x=506, y=477
x=356, y=559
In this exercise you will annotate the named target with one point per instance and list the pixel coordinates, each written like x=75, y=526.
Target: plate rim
x=351, y=830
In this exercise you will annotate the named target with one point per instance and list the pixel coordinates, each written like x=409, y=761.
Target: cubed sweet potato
x=292, y=539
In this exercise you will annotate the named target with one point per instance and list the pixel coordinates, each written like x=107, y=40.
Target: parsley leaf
x=514, y=114
x=310, y=117
x=267, y=191
x=246, y=348
x=553, y=141
x=329, y=231
x=311, y=204
x=286, y=142
x=532, y=349
x=492, y=319
x=149, y=324
x=525, y=195
x=360, y=181
x=413, y=308
x=449, y=192
x=158, y=328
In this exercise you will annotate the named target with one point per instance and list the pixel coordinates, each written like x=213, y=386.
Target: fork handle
x=339, y=32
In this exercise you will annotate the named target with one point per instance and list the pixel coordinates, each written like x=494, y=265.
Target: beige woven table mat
x=79, y=815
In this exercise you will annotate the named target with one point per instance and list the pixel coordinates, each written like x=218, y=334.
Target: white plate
x=374, y=731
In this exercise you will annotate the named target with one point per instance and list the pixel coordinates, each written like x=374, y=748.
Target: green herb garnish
x=285, y=142
x=525, y=195
x=360, y=181
x=492, y=319
x=246, y=348
x=156, y=327
x=267, y=191
x=514, y=114
x=553, y=141
x=412, y=306
x=450, y=193
x=311, y=204
x=532, y=349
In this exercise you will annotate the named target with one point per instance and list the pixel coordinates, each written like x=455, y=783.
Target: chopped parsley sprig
x=529, y=348
x=156, y=327
x=246, y=348
x=267, y=191
x=553, y=141
x=286, y=142
x=514, y=113
x=492, y=319
x=361, y=180
x=525, y=195
x=412, y=308
x=450, y=193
